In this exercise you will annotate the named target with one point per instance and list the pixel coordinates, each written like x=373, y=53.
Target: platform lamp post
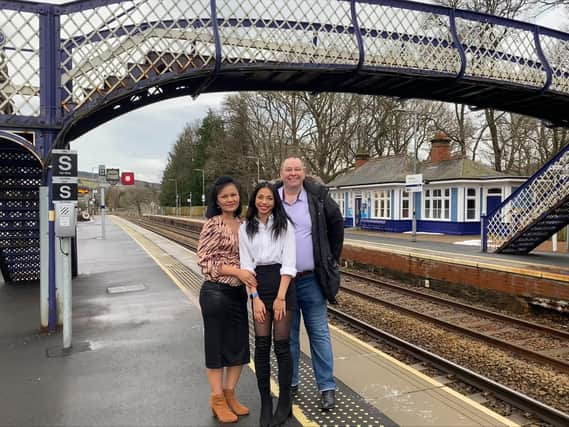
x=177, y=195
x=203, y=188
x=416, y=115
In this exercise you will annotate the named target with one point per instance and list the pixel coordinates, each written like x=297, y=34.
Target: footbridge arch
x=68, y=68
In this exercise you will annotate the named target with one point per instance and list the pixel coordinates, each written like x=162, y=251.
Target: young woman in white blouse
x=267, y=247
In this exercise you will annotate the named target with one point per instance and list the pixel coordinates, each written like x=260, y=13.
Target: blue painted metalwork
x=217, y=41
x=484, y=236
x=457, y=44
x=534, y=211
x=358, y=34
x=449, y=34
x=20, y=177
x=543, y=59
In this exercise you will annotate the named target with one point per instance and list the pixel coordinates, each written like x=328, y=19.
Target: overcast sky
x=140, y=141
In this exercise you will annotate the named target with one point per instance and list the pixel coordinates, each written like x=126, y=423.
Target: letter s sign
x=65, y=192
x=64, y=163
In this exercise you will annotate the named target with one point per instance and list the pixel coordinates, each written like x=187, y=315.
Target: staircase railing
x=539, y=194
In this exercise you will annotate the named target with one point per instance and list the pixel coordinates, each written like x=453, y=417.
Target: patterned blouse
x=218, y=246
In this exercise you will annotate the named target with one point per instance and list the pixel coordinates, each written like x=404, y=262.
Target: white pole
x=65, y=243
x=44, y=256
x=103, y=209
x=59, y=278
x=554, y=242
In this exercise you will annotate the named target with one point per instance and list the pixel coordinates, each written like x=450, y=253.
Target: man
x=319, y=229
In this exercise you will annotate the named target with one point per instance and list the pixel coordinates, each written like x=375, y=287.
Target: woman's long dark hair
x=212, y=208
x=280, y=216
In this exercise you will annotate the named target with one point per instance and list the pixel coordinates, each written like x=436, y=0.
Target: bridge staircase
x=20, y=178
x=534, y=212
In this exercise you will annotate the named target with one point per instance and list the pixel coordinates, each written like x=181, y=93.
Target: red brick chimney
x=440, y=148
x=361, y=158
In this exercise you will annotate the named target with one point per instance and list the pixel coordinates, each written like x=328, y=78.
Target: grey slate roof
x=393, y=169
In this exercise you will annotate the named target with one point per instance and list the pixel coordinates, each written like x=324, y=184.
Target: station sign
x=64, y=163
x=102, y=171
x=414, y=183
x=64, y=182
x=113, y=176
x=64, y=189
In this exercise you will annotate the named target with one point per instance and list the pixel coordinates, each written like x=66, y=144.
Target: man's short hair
x=302, y=162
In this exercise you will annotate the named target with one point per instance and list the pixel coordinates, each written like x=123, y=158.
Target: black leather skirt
x=226, y=327
x=268, y=282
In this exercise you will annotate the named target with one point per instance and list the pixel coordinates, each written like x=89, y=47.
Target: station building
x=456, y=192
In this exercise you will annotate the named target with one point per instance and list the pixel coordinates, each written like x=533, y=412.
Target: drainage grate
x=125, y=288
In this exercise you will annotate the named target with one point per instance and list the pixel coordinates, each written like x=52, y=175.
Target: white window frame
x=476, y=199
x=436, y=204
x=406, y=196
x=381, y=204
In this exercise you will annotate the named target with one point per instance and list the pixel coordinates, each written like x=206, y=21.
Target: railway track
x=533, y=341
x=513, y=397
x=445, y=310
x=181, y=235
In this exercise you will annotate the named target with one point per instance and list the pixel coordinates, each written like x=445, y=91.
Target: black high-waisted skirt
x=268, y=281
x=226, y=327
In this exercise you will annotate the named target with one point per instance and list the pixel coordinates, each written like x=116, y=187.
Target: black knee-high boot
x=263, y=372
x=284, y=360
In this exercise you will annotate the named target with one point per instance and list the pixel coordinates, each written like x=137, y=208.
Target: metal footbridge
x=65, y=69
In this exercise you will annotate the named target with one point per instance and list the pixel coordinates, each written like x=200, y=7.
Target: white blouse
x=264, y=249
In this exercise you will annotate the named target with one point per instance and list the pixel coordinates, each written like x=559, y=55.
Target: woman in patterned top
x=267, y=247
x=223, y=299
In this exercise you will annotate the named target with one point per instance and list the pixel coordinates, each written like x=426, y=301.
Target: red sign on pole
x=127, y=178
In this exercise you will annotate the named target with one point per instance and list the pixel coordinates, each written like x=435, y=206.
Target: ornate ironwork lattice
x=537, y=197
x=107, y=49
x=20, y=178
x=19, y=63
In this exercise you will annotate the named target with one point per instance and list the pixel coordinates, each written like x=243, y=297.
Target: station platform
x=541, y=276
x=137, y=356
x=543, y=258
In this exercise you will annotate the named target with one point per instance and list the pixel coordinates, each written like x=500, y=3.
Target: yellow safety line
x=464, y=260
x=426, y=378
x=296, y=411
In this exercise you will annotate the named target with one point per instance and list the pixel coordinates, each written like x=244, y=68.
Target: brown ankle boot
x=233, y=403
x=220, y=409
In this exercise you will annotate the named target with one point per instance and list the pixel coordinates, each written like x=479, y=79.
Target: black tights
x=281, y=331
x=281, y=328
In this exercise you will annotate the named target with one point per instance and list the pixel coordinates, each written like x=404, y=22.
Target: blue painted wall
x=454, y=204
x=446, y=227
x=398, y=226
